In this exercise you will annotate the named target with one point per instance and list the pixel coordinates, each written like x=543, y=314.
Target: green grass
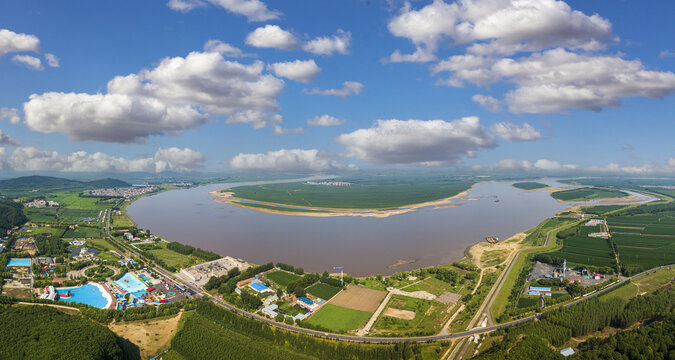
x=276, y=208
x=367, y=193
x=323, y=291
x=282, y=278
x=527, y=301
x=529, y=185
x=338, y=318
x=584, y=194
x=173, y=258
x=83, y=232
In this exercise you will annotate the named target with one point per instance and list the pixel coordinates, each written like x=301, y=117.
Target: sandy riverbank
x=228, y=198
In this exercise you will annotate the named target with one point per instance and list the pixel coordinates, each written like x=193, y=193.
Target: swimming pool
x=18, y=262
x=130, y=283
x=89, y=294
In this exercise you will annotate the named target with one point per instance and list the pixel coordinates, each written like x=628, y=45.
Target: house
x=259, y=287
x=270, y=310
x=307, y=303
x=567, y=352
x=244, y=282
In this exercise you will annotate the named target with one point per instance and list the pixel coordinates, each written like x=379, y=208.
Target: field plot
x=364, y=193
x=83, y=232
x=654, y=229
x=340, y=318
x=438, y=287
x=429, y=317
x=282, y=278
x=587, y=194
x=79, y=215
x=359, y=298
x=645, y=251
x=529, y=185
x=47, y=215
x=323, y=291
x=581, y=249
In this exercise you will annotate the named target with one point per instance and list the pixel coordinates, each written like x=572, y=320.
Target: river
x=363, y=246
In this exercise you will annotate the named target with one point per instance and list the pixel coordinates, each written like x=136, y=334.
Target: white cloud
x=185, y=5
x=291, y=160
x=180, y=93
x=30, y=62
x=541, y=165
x=278, y=130
x=52, y=60
x=417, y=142
x=513, y=132
x=13, y=42
x=488, y=102
x=325, y=120
x=498, y=27
x=33, y=159
x=558, y=80
x=254, y=10
x=348, y=88
x=328, y=45
x=8, y=140
x=666, y=54
x=272, y=36
x=425, y=28
x=223, y=48
x=11, y=114
x=257, y=119
x=298, y=70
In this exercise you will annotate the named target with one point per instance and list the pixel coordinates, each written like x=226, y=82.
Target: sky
x=533, y=86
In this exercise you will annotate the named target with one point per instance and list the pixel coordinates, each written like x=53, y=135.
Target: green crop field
x=282, y=278
x=654, y=229
x=529, y=185
x=73, y=215
x=323, y=291
x=645, y=251
x=83, y=232
x=46, y=215
x=526, y=301
x=365, y=193
x=584, y=194
x=339, y=318
x=581, y=249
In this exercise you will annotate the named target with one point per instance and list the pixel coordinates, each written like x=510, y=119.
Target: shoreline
x=228, y=198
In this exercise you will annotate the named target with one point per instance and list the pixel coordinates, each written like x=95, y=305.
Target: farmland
x=323, y=291
x=529, y=185
x=282, y=278
x=83, y=232
x=365, y=193
x=584, y=194
x=339, y=318
x=581, y=249
x=429, y=317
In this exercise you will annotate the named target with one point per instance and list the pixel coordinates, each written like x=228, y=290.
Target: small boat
x=67, y=295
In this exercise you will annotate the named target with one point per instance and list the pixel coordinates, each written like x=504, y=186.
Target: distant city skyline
x=531, y=86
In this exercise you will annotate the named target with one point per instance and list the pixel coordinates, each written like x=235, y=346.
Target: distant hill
x=49, y=183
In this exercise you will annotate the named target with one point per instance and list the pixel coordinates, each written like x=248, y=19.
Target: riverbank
x=229, y=198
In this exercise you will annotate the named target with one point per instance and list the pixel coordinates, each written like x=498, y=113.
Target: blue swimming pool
x=18, y=262
x=87, y=294
x=130, y=283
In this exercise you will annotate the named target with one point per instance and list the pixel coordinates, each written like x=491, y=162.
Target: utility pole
x=341, y=268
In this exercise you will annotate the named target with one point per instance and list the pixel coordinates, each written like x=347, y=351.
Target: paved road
x=379, y=340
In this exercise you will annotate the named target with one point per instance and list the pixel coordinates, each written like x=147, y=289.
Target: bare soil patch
x=359, y=298
x=449, y=298
x=149, y=336
x=399, y=314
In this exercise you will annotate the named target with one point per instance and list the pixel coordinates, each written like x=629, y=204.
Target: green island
x=578, y=254
x=584, y=194
x=530, y=185
x=382, y=192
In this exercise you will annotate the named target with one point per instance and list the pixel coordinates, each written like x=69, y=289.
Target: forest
x=40, y=332
x=11, y=215
x=235, y=337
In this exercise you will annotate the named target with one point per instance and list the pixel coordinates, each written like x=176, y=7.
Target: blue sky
x=533, y=86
